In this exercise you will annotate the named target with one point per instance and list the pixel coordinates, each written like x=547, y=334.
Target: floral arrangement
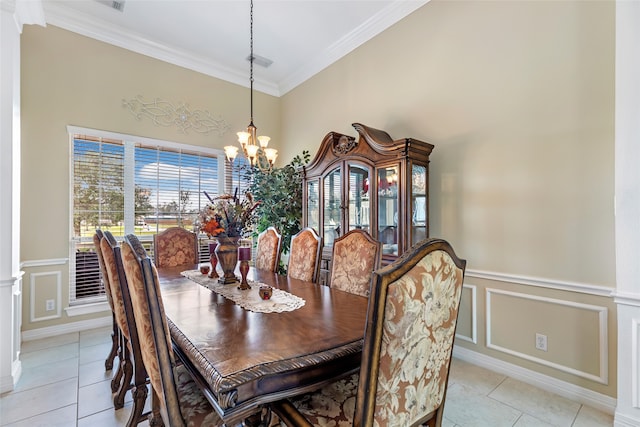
x=227, y=216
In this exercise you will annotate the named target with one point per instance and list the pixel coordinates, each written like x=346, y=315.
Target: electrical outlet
x=541, y=342
x=51, y=305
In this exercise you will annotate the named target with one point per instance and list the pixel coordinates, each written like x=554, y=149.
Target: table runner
x=249, y=299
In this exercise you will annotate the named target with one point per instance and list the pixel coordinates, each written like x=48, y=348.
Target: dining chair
x=175, y=246
x=406, y=354
x=355, y=256
x=176, y=399
x=304, y=255
x=134, y=373
x=268, y=249
x=115, y=334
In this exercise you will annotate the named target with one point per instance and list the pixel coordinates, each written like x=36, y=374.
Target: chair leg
x=155, y=418
x=138, y=391
x=139, y=394
x=127, y=369
x=108, y=364
x=264, y=418
x=117, y=377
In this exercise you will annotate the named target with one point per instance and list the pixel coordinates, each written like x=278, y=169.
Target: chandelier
x=254, y=147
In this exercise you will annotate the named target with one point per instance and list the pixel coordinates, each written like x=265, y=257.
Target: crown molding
x=369, y=29
x=88, y=26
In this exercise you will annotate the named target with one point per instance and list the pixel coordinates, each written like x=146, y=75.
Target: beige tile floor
x=64, y=384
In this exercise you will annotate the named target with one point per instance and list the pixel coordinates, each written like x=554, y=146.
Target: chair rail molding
x=626, y=298
x=44, y=262
x=561, y=285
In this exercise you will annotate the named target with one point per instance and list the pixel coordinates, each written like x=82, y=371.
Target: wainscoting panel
x=44, y=286
x=467, y=328
x=635, y=363
x=576, y=333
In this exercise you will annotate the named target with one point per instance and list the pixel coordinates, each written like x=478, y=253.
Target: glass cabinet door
x=358, y=194
x=388, y=209
x=313, y=206
x=332, y=206
x=419, y=218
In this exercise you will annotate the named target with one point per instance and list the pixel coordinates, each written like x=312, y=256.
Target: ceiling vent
x=260, y=60
x=114, y=4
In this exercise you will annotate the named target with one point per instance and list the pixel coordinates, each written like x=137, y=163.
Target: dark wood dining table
x=243, y=359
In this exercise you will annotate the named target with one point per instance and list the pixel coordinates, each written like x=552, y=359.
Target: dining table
x=244, y=352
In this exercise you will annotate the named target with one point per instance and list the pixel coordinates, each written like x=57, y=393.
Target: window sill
x=82, y=309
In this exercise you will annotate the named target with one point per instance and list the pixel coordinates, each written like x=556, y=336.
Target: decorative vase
x=227, y=253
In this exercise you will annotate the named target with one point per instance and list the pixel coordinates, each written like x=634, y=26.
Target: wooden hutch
x=373, y=183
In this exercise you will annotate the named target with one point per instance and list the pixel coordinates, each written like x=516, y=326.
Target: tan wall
x=518, y=99
x=68, y=79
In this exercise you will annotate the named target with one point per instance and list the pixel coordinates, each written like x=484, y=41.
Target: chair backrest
x=355, y=256
x=268, y=249
x=175, y=246
x=115, y=273
x=304, y=255
x=105, y=279
x=152, y=327
x=411, y=322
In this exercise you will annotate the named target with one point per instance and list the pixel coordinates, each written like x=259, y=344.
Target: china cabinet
x=372, y=182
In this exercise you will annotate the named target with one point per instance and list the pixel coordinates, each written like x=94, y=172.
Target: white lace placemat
x=249, y=299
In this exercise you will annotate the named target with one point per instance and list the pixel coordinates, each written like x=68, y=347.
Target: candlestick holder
x=244, y=269
x=244, y=255
x=213, y=274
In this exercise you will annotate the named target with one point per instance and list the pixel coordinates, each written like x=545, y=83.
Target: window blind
x=131, y=187
x=98, y=201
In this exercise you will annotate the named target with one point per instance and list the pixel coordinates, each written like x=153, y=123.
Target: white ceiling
x=301, y=37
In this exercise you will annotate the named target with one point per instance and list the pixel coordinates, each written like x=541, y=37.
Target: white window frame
x=130, y=142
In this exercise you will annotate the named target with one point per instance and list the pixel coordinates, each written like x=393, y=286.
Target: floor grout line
x=471, y=379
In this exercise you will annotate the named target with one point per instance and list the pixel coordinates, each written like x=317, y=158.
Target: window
x=128, y=184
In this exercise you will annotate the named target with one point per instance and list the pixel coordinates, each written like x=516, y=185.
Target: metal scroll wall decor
x=164, y=113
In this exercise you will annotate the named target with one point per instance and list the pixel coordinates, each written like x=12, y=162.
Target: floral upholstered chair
x=268, y=249
x=177, y=400
x=355, y=256
x=175, y=246
x=304, y=255
x=134, y=376
x=115, y=335
x=408, y=340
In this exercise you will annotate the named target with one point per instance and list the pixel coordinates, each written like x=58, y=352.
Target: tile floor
x=64, y=384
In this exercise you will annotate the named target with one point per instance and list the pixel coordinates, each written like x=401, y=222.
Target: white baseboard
x=570, y=391
x=621, y=420
x=49, y=331
x=8, y=382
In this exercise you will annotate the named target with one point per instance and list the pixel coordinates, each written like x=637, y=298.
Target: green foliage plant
x=279, y=194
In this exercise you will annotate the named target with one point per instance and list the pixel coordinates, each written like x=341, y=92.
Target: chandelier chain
x=253, y=147
x=251, y=56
